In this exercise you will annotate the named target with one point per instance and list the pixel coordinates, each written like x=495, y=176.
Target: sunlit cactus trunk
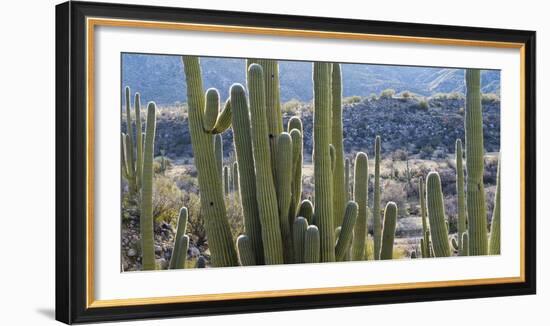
x=339, y=182
x=218, y=150
x=494, y=240
x=377, y=222
x=177, y=251
x=346, y=233
x=388, y=236
x=220, y=240
x=322, y=161
x=360, y=192
x=295, y=129
x=247, y=177
x=265, y=188
x=475, y=190
x=461, y=205
x=436, y=212
x=283, y=178
x=146, y=217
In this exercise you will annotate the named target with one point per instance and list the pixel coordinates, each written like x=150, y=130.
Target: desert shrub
x=490, y=171
x=352, y=99
x=461, y=111
x=395, y=191
x=234, y=214
x=426, y=152
x=387, y=93
x=489, y=98
x=195, y=225
x=373, y=97
x=399, y=253
x=291, y=106
x=423, y=104
x=405, y=95
x=400, y=155
x=167, y=199
x=157, y=164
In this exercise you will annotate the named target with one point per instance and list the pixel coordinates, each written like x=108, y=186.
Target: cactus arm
x=436, y=213
x=377, y=223
x=346, y=233
x=339, y=182
x=224, y=119
x=130, y=160
x=361, y=198
x=494, y=240
x=298, y=238
x=123, y=160
x=220, y=240
x=146, y=216
x=246, y=251
x=180, y=232
x=265, y=189
x=247, y=178
x=312, y=250
x=297, y=156
x=283, y=177
x=390, y=221
x=211, y=110
x=461, y=227
x=322, y=161
x=464, y=251
x=475, y=192
x=139, y=140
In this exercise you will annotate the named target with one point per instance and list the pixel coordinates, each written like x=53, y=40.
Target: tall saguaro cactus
x=436, y=213
x=361, y=198
x=339, y=182
x=220, y=240
x=265, y=189
x=295, y=129
x=283, y=178
x=346, y=233
x=377, y=223
x=424, y=216
x=460, y=193
x=494, y=240
x=475, y=190
x=247, y=178
x=146, y=217
x=322, y=162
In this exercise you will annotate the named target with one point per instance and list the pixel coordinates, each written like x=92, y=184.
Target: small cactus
x=178, y=246
x=390, y=222
x=436, y=213
x=306, y=210
x=246, y=251
x=312, y=253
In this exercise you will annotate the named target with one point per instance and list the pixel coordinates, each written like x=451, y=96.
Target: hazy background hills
x=160, y=78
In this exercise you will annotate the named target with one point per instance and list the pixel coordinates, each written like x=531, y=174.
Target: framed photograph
x=213, y=162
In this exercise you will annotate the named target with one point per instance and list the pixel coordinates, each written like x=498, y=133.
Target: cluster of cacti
x=280, y=225
x=472, y=235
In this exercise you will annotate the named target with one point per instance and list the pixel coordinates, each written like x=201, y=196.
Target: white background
x=27, y=161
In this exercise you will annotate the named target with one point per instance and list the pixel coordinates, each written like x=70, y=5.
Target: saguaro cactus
x=265, y=189
x=247, y=177
x=312, y=253
x=424, y=216
x=360, y=192
x=218, y=150
x=475, y=190
x=494, y=240
x=346, y=178
x=460, y=193
x=297, y=156
x=377, y=223
x=139, y=140
x=436, y=214
x=178, y=245
x=146, y=217
x=339, y=182
x=283, y=178
x=322, y=162
x=220, y=240
x=235, y=178
x=226, y=180
x=298, y=238
x=306, y=210
x=390, y=222
x=346, y=233
x=246, y=251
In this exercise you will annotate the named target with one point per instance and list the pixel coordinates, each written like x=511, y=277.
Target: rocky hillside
x=403, y=123
x=160, y=78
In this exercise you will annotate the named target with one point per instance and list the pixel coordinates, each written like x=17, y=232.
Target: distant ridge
x=160, y=78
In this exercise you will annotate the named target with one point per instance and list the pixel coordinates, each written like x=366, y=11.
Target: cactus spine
x=283, y=177
x=377, y=223
x=322, y=165
x=475, y=192
x=247, y=178
x=436, y=214
x=339, y=183
x=312, y=247
x=178, y=245
x=146, y=217
x=346, y=232
x=246, y=251
x=494, y=240
x=265, y=189
x=360, y=192
x=390, y=222
x=220, y=240
x=460, y=193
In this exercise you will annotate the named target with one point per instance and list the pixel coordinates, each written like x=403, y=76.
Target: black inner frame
x=71, y=156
